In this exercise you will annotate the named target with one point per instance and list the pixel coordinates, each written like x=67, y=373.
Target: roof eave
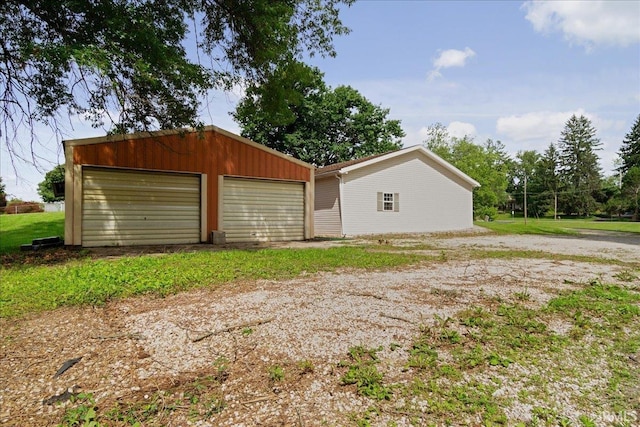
x=430, y=154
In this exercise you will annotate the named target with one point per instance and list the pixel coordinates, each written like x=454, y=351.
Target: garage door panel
x=270, y=236
x=130, y=233
x=236, y=226
x=133, y=241
x=253, y=216
x=132, y=238
x=147, y=207
x=153, y=187
x=267, y=214
x=143, y=193
x=257, y=210
x=273, y=202
x=139, y=208
x=134, y=215
x=142, y=226
x=137, y=194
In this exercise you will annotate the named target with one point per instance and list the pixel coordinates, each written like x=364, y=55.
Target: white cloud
x=453, y=58
x=588, y=23
x=423, y=133
x=461, y=129
x=450, y=58
x=542, y=125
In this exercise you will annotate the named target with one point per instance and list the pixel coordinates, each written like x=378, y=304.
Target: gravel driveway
x=135, y=348
x=604, y=244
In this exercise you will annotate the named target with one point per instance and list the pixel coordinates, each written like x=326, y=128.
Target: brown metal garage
x=171, y=187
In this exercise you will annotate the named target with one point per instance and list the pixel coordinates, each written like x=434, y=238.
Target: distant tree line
x=565, y=179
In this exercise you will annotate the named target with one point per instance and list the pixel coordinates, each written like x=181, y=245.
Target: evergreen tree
x=549, y=173
x=579, y=169
x=630, y=150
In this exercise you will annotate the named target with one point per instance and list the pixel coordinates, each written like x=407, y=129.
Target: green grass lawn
x=19, y=229
x=35, y=288
x=561, y=226
x=28, y=288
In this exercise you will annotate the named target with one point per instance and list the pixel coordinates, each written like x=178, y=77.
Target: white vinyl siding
x=327, y=207
x=262, y=211
x=124, y=207
x=433, y=198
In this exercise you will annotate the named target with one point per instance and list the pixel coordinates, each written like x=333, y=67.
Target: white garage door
x=139, y=208
x=257, y=210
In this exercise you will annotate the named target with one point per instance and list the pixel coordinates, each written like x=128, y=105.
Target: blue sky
x=505, y=70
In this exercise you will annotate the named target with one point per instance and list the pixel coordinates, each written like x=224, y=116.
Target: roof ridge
x=336, y=166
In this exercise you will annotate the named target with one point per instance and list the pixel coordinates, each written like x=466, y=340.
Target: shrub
x=484, y=212
x=18, y=207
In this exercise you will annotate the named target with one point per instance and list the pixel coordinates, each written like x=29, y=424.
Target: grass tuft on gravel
x=462, y=369
x=31, y=289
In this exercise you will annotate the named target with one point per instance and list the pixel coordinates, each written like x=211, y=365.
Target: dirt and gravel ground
x=134, y=348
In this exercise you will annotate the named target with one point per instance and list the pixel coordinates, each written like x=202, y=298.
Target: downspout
x=340, y=196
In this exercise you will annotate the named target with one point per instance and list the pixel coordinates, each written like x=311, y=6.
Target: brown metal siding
x=211, y=153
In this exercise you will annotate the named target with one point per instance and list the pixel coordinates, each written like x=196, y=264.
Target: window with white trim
x=388, y=202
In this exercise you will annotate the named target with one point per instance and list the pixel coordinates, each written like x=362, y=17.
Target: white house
x=406, y=191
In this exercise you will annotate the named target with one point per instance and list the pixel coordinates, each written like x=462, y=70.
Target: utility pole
x=525, y=199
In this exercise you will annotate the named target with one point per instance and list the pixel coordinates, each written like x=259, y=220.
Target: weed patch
x=200, y=398
x=82, y=412
x=275, y=373
x=363, y=372
x=612, y=303
x=495, y=339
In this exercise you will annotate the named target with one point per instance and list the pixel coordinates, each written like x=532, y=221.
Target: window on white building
x=388, y=202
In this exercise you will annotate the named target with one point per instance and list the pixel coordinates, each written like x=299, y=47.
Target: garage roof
x=346, y=167
x=141, y=135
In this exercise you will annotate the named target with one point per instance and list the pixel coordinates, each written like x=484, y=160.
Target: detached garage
x=173, y=187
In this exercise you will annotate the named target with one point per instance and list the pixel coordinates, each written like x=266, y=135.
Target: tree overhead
x=125, y=62
x=630, y=149
x=579, y=169
x=297, y=114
